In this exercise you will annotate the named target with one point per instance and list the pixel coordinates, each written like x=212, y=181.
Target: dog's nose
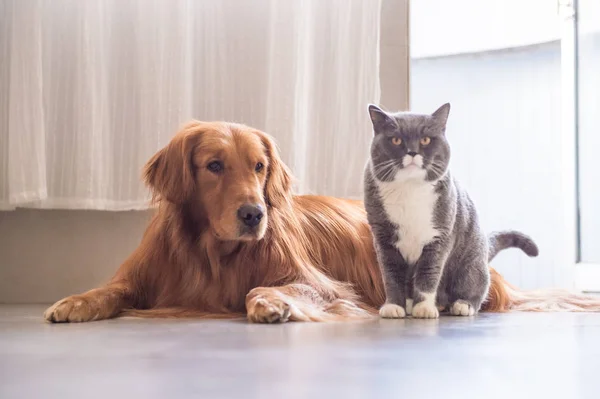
x=412, y=153
x=250, y=214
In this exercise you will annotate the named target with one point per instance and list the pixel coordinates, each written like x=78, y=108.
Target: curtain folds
x=89, y=90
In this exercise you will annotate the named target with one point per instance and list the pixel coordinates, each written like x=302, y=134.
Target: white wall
x=443, y=27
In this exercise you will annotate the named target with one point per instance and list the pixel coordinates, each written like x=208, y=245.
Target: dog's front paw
x=71, y=309
x=392, y=311
x=267, y=309
x=425, y=310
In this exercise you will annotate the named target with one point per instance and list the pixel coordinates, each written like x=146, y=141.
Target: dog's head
x=231, y=173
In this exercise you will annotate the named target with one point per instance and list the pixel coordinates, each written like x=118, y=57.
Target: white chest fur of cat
x=409, y=202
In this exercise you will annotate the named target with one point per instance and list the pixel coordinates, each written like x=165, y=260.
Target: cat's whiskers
x=389, y=173
x=436, y=168
x=384, y=164
x=385, y=169
x=392, y=171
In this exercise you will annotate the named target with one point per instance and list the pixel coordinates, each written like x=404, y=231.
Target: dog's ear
x=170, y=172
x=278, y=189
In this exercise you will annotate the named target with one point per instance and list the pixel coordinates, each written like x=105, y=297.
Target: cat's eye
x=425, y=140
x=396, y=140
x=215, y=166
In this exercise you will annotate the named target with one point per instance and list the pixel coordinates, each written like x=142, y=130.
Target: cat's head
x=408, y=145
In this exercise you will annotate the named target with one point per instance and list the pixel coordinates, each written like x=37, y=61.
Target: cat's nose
x=412, y=153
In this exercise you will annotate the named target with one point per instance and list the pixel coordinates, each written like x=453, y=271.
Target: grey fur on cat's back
x=426, y=231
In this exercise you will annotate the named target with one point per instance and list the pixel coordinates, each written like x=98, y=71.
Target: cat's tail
x=511, y=239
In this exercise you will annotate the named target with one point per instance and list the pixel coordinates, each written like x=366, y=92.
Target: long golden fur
x=311, y=258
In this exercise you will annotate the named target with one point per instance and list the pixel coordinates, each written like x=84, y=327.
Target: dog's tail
x=511, y=239
x=504, y=297
x=178, y=313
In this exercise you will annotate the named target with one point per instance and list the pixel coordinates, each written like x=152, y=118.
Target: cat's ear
x=381, y=120
x=441, y=114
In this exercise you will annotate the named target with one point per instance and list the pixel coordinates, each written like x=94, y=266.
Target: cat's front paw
x=425, y=310
x=462, y=308
x=392, y=311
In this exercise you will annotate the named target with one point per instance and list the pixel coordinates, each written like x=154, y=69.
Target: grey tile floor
x=490, y=356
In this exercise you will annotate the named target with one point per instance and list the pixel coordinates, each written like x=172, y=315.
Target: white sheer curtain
x=90, y=89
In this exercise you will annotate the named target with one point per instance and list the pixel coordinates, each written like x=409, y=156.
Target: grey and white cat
x=430, y=246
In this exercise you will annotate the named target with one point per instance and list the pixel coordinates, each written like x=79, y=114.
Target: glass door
x=588, y=129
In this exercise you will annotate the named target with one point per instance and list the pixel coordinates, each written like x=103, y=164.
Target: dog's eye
x=259, y=166
x=215, y=166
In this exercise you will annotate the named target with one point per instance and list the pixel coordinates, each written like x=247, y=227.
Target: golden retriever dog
x=229, y=238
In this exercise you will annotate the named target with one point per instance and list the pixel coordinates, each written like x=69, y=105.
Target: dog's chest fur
x=410, y=204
